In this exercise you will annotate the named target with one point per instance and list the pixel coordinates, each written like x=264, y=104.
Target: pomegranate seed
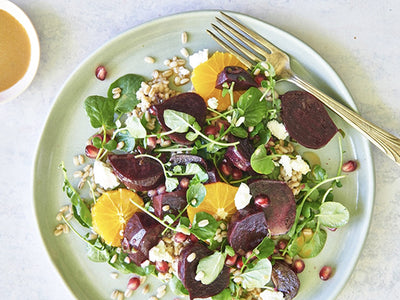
x=162, y=266
x=133, y=283
x=231, y=260
x=282, y=244
x=261, y=201
x=225, y=168
x=239, y=263
x=325, y=272
x=100, y=136
x=91, y=151
x=151, y=142
x=237, y=174
x=298, y=265
x=211, y=130
x=259, y=78
x=349, y=166
x=180, y=237
x=184, y=183
x=101, y=73
x=193, y=238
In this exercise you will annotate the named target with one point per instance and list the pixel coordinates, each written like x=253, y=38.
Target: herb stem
x=78, y=234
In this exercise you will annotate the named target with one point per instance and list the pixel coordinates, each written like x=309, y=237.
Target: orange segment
x=205, y=75
x=218, y=202
x=111, y=212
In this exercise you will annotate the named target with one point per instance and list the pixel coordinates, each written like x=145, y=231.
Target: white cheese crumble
x=277, y=129
x=270, y=294
x=290, y=165
x=243, y=196
x=213, y=103
x=197, y=58
x=160, y=253
x=104, y=176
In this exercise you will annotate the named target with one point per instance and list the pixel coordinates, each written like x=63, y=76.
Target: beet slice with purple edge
x=306, y=119
x=240, y=154
x=242, y=79
x=285, y=279
x=247, y=229
x=141, y=233
x=187, y=273
x=176, y=201
x=281, y=210
x=189, y=103
x=140, y=174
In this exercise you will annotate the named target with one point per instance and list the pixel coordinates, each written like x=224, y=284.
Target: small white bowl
x=26, y=80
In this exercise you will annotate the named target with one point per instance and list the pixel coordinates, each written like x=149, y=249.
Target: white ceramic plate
x=68, y=128
x=26, y=80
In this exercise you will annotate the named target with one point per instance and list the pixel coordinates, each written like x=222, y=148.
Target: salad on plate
x=206, y=179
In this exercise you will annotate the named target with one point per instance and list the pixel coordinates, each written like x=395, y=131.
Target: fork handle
x=385, y=141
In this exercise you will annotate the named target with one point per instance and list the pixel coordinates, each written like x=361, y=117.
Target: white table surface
x=360, y=39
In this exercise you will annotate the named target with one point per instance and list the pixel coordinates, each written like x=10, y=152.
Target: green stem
x=78, y=234
x=210, y=140
x=177, y=217
x=173, y=149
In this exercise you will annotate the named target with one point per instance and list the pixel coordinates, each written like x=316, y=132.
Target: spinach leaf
x=224, y=295
x=125, y=137
x=204, y=232
x=253, y=109
x=333, y=214
x=261, y=162
x=265, y=248
x=129, y=85
x=196, y=194
x=177, y=287
x=100, y=111
x=211, y=266
x=81, y=211
x=258, y=275
x=240, y=132
x=178, y=121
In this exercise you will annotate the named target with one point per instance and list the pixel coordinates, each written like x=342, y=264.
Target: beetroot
x=280, y=212
x=184, y=159
x=141, y=233
x=240, y=154
x=247, y=229
x=285, y=279
x=306, y=119
x=189, y=103
x=242, y=79
x=187, y=273
x=174, y=201
x=140, y=174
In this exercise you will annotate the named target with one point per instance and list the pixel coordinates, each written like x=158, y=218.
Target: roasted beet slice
x=176, y=201
x=187, y=273
x=240, y=154
x=247, y=229
x=281, y=211
x=285, y=279
x=189, y=103
x=306, y=119
x=242, y=79
x=184, y=159
x=140, y=174
x=142, y=233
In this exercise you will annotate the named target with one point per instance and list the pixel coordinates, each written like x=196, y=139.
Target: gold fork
x=244, y=41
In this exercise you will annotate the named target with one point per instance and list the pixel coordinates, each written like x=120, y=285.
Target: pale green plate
x=68, y=128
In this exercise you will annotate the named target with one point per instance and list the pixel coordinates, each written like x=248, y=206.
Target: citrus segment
x=218, y=202
x=205, y=75
x=111, y=212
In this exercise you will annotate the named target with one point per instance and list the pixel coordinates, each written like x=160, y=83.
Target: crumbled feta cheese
x=243, y=196
x=160, y=253
x=213, y=103
x=104, y=176
x=298, y=165
x=277, y=129
x=197, y=58
x=270, y=294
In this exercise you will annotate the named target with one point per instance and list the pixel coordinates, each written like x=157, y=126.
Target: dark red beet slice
x=242, y=79
x=187, y=273
x=189, y=103
x=140, y=174
x=285, y=279
x=184, y=159
x=240, y=154
x=306, y=119
x=142, y=233
x=247, y=229
x=176, y=201
x=281, y=211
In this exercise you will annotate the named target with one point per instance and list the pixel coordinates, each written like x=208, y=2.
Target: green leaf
x=224, y=295
x=100, y=111
x=129, y=85
x=178, y=121
x=111, y=145
x=125, y=137
x=177, y=287
x=261, y=162
x=254, y=110
x=333, y=214
x=205, y=232
x=265, y=248
x=97, y=255
x=191, y=136
x=195, y=194
x=308, y=246
x=126, y=268
x=229, y=250
x=211, y=266
x=135, y=127
x=240, y=132
x=257, y=276
x=171, y=183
